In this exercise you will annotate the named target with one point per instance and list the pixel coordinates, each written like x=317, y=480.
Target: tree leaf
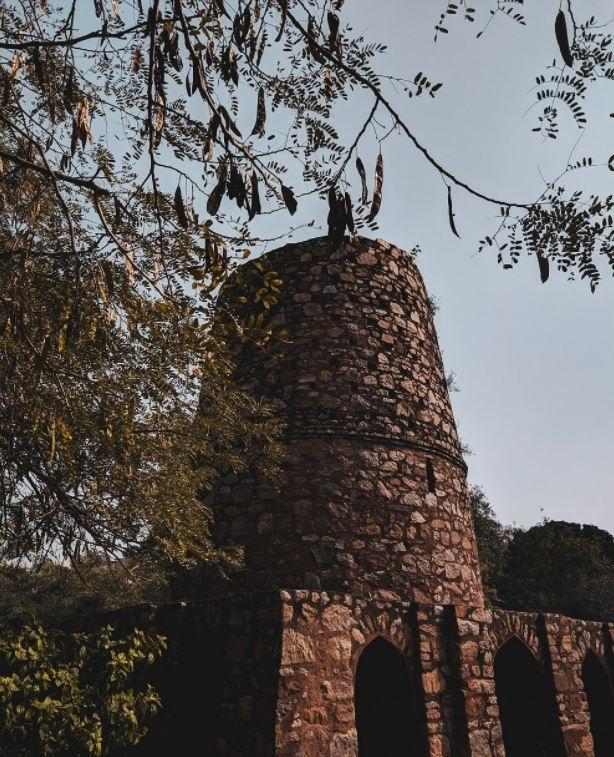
x=180, y=208
x=560, y=28
x=611, y=163
x=451, y=212
x=289, y=199
x=363, y=177
x=260, y=114
x=377, y=189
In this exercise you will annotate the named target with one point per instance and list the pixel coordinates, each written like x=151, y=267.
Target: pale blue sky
x=535, y=363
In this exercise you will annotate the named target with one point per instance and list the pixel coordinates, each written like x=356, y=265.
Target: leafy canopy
x=141, y=149
x=554, y=566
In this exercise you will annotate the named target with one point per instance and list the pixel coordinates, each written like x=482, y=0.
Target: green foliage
x=560, y=567
x=56, y=594
x=554, y=566
x=74, y=694
x=493, y=540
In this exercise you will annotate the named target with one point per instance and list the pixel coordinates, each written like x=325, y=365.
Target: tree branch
x=398, y=120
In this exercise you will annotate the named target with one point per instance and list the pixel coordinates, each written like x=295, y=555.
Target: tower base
x=279, y=673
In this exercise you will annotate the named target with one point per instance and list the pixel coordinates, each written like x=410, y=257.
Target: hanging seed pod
x=236, y=186
x=260, y=114
x=544, y=267
x=289, y=199
x=284, y=10
x=451, y=213
x=333, y=25
x=349, y=215
x=377, y=189
x=337, y=217
x=180, y=209
x=363, y=178
x=256, y=208
x=560, y=29
x=333, y=212
x=215, y=198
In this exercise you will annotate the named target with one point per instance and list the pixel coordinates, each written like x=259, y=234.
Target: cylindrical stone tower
x=373, y=498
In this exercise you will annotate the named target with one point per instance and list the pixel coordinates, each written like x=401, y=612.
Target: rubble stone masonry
x=374, y=498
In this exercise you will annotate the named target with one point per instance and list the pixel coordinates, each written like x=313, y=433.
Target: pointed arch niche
x=598, y=690
x=526, y=703
x=385, y=704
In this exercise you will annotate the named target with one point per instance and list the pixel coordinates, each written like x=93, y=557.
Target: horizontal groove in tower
x=374, y=497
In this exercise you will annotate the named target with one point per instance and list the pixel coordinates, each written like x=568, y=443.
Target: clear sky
x=535, y=363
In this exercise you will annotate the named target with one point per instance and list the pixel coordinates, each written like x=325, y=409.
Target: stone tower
x=373, y=499
x=357, y=627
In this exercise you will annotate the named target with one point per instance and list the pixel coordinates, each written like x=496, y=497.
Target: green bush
x=74, y=694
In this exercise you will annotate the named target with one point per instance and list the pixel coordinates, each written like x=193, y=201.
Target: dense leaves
x=77, y=694
x=54, y=593
x=561, y=567
x=554, y=566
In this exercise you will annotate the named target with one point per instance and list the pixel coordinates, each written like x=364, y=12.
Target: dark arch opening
x=598, y=689
x=384, y=702
x=526, y=703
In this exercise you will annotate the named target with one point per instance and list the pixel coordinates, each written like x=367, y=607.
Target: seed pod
x=260, y=114
x=544, y=267
x=451, y=213
x=256, y=208
x=337, y=217
x=289, y=199
x=215, y=198
x=349, y=215
x=333, y=25
x=180, y=209
x=560, y=28
x=377, y=189
x=282, y=26
x=236, y=186
x=363, y=177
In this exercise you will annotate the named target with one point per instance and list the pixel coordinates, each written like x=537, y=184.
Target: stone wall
x=273, y=673
x=374, y=495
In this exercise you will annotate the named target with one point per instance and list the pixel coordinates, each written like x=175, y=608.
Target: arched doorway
x=384, y=702
x=526, y=703
x=598, y=689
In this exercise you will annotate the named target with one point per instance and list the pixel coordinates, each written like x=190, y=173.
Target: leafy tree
x=493, y=541
x=74, y=694
x=54, y=593
x=119, y=135
x=560, y=567
x=554, y=566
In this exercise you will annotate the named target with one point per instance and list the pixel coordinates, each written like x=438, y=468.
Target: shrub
x=74, y=694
